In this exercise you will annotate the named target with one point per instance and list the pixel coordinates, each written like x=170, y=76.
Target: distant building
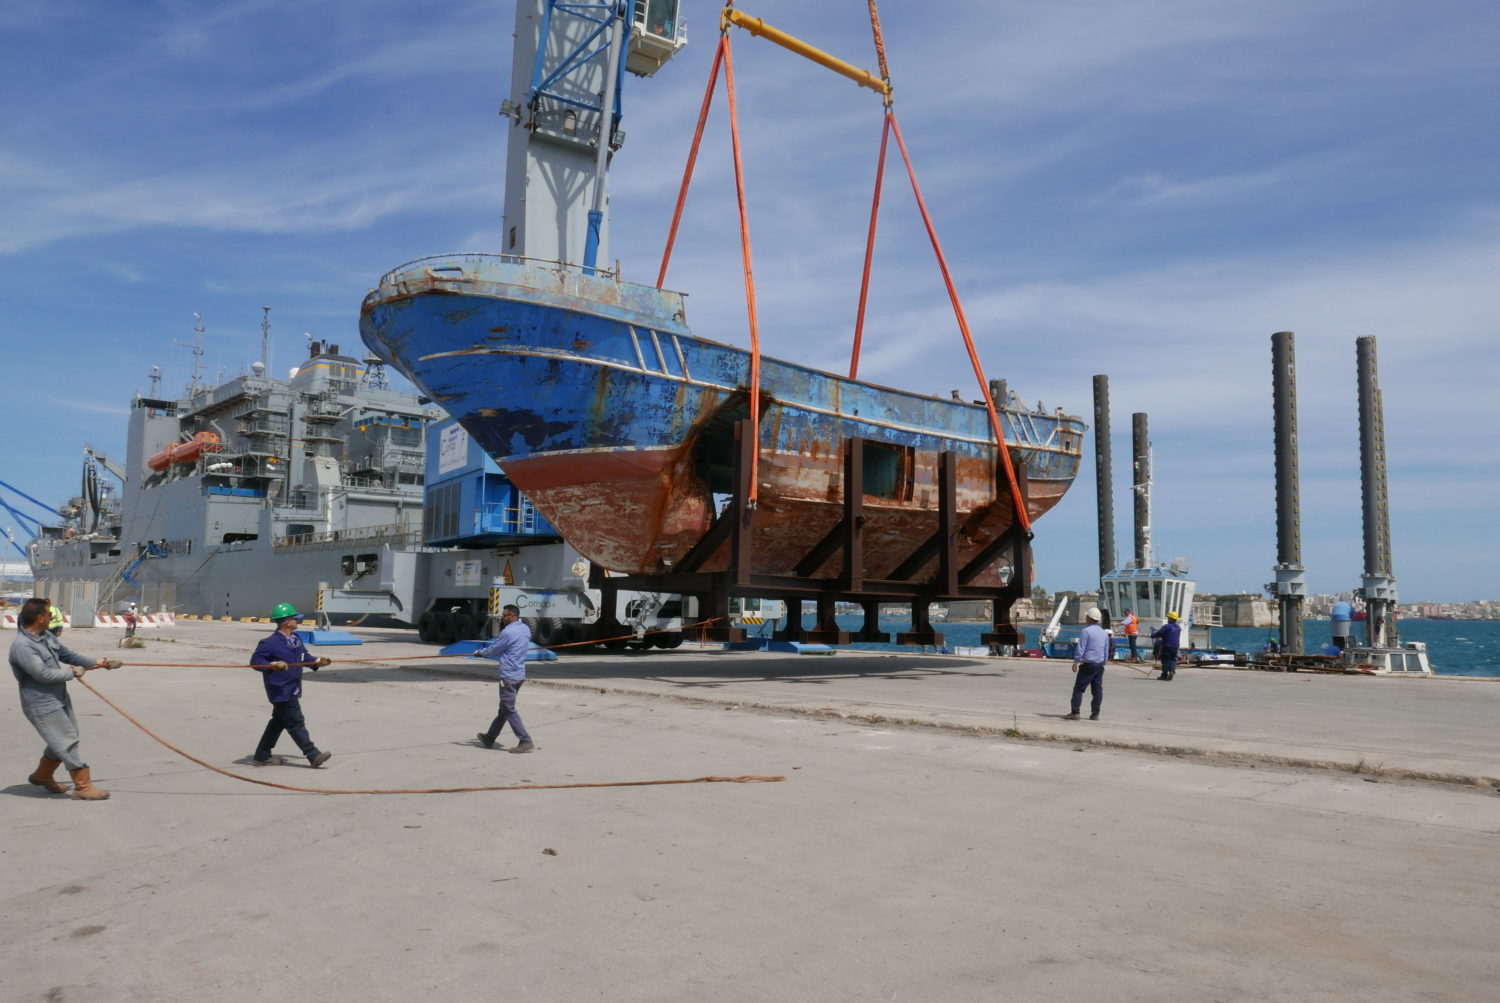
x=1246, y=610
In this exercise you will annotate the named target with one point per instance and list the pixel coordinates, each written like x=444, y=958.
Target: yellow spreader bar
x=756, y=26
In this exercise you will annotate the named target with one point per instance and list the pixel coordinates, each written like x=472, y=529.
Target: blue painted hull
x=598, y=401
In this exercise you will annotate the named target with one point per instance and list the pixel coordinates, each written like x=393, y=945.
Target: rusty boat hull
x=598, y=401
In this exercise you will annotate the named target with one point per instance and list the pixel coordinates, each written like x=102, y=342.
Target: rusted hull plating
x=616, y=421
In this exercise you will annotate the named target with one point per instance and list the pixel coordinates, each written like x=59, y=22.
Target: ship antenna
x=265, y=336
x=375, y=373
x=197, y=387
x=155, y=378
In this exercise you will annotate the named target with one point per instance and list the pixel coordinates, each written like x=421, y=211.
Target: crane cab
x=657, y=31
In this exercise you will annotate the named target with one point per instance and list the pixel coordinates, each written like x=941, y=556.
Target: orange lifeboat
x=186, y=452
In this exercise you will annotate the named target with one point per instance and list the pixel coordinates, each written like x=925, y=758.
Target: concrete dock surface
x=940, y=834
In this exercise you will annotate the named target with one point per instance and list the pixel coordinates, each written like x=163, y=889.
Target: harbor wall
x=1246, y=611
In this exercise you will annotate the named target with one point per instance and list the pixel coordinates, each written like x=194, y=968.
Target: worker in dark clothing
x=280, y=658
x=1169, y=638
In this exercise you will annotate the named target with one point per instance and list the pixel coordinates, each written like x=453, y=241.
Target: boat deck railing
x=1207, y=615
x=436, y=264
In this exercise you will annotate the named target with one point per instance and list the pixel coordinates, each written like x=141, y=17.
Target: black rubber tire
x=573, y=634
x=426, y=627
x=468, y=626
x=671, y=639
x=446, y=631
x=548, y=631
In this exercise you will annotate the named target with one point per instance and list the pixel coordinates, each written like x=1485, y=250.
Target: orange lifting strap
x=882, y=85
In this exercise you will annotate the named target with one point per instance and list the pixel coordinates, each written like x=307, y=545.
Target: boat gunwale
x=556, y=355
x=426, y=284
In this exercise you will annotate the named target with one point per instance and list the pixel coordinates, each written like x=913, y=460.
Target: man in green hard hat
x=280, y=659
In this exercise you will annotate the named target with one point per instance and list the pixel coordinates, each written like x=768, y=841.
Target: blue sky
x=1147, y=190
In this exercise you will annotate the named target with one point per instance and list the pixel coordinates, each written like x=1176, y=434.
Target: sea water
x=1454, y=647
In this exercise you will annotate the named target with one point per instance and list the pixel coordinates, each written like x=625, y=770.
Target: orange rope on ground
x=1022, y=516
x=739, y=188
x=864, y=282
x=420, y=790
x=687, y=172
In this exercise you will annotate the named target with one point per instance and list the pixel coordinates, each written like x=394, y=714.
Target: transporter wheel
x=549, y=630
x=427, y=627
x=669, y=640
x=573, y=634
x=467, y=626
x=446, y=631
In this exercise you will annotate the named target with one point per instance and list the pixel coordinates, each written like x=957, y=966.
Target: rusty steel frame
x=714, y=589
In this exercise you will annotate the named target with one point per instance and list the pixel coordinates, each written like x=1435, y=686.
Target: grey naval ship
x=238, y=496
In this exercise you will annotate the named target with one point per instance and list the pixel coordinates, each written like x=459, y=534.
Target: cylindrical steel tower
x=1103, y=478
x=1290, y=587
x=1379, y=589
x=1142, y=448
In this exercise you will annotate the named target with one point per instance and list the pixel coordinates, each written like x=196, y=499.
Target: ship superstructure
x=246, y=493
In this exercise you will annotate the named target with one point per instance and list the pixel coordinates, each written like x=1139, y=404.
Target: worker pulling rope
x=315, y=664
x=419, y=790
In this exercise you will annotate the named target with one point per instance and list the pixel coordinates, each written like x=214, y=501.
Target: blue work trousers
x=508, y=690
x=1090, y=677
x=1169, y=662
x=286, y=715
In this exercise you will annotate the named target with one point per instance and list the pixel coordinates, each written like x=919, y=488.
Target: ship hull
x=617, y=422
x=244, y=580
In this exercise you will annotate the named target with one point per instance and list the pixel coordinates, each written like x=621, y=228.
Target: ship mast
x=265, y=338
x=197, y=386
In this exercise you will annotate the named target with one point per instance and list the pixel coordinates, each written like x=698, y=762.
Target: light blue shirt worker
x=1093, y=645
x=510, y=647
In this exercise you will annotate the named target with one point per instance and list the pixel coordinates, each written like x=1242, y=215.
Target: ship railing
x=435, y=264
x=499, y=518
x=397, y=533
x=1023, y=428
x=1207, y=615
x=375, y=484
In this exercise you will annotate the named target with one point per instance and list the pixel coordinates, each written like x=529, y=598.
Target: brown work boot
x=43, y=776
x=82, y=789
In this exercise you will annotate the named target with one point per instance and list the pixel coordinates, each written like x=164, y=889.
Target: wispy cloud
x=298, y=195
x=73, y=404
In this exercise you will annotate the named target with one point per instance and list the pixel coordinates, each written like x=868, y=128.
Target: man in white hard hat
x=1088, y=665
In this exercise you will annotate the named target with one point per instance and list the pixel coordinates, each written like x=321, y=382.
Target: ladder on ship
x=111, y=588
